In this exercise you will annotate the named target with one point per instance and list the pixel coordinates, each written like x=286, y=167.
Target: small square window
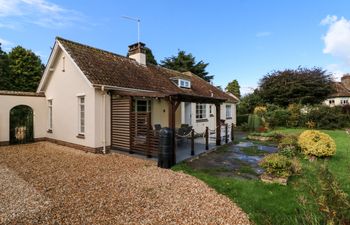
x=184, y=83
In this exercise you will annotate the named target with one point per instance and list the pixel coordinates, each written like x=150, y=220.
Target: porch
x=137, y=120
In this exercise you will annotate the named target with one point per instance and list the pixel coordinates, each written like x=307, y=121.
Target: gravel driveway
x=44, y=183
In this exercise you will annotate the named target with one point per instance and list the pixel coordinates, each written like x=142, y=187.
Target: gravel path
x=44, y=183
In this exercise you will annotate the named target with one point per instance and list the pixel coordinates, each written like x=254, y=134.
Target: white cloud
x=263, y=34
x=329, y=20
x=5, y=44
x=337, y=38
x=337, y=71
x=40, y=12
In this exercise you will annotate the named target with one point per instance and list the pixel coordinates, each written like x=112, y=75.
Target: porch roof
x=103, y=68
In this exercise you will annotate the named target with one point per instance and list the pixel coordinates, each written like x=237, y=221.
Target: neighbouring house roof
x=22, y=93
x=113, y=70
x=340, y=90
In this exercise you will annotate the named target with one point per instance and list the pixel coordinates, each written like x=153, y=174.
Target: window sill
x=49, y=131
x=229, y=118
x=201, y=120
x=81, y=136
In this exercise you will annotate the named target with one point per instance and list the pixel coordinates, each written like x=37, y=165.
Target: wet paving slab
x=240, y=160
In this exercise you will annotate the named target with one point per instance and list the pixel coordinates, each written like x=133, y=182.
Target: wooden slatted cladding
x=120, y=135
x=144, y=140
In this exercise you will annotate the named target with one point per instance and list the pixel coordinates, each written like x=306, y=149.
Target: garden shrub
x=254, y=122
x=316, y=143
x=288, y=141
x=244, y=127
x=276, y=165
x=288, y=146
x=287, y=151
x=295, y=113
x=328, y=118
x=260, y=110
x=277, y=117
x=241, y=119
x=296, y=166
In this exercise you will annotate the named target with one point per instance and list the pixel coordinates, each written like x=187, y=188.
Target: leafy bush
x=296, y=166
x=277, y=117
x=295, y=114
x=254, y=122
x=244, y=127
x=260, y=110
x=288, y=152
x=288, y=141
x=288, y=146
x=327, y=117
x=316, y=143
x=319, y=116
x=276, y=165
x=242, y=119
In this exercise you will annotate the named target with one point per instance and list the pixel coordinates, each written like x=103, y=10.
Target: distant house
x=342, y=93
x=95, y=100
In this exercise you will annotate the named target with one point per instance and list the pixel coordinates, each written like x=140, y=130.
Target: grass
x=272, y=203
x=253, y=151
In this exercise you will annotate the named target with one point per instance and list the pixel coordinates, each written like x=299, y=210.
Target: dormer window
x=184, y=83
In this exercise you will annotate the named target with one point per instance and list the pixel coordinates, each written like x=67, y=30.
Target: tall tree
x=234, y=88
x=184, y=62
x=25, y=69
x=248, y=102
x=150, y=57
x=302, y=85
x=4, y=70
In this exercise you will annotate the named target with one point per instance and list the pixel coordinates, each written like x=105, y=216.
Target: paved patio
x=183, y=145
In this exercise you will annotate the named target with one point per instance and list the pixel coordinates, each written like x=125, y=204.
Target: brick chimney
x=137, y=51
x=345, y=80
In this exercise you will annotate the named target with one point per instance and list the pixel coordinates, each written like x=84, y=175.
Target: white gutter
x=104, y=119
x=121, y=88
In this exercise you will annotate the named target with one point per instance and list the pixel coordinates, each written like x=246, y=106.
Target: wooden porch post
x=218, y=124
x=172, y=114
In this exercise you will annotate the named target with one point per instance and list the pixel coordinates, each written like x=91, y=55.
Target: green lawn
x=272, y=203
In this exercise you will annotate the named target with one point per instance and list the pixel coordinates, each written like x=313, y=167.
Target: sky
x=240, y=39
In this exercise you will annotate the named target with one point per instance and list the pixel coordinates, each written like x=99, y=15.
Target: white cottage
x=96, y=100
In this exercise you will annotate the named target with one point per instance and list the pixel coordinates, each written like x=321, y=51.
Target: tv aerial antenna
x=138, y=25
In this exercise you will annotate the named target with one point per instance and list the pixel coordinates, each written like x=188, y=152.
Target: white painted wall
x=199, y=127
x=99, y=119
x=38, y=105
x=64, y=86
x=337, y=101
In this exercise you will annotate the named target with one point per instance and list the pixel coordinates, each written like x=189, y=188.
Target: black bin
x=166, y=151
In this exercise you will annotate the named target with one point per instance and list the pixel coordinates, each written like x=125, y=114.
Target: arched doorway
x=21, y=124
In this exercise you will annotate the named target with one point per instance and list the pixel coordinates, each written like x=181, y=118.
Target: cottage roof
x=112, y=70
x=340, y=90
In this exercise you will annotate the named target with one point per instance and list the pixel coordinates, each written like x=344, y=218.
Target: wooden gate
x=144, y=140
x=21, y=125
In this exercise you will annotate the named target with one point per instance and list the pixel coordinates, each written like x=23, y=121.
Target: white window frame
x=81, y=121
x=148, y=105
x=344, y=101
x=228, y=111
x=184, y=83
x=49, y=105
x=201, y=111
